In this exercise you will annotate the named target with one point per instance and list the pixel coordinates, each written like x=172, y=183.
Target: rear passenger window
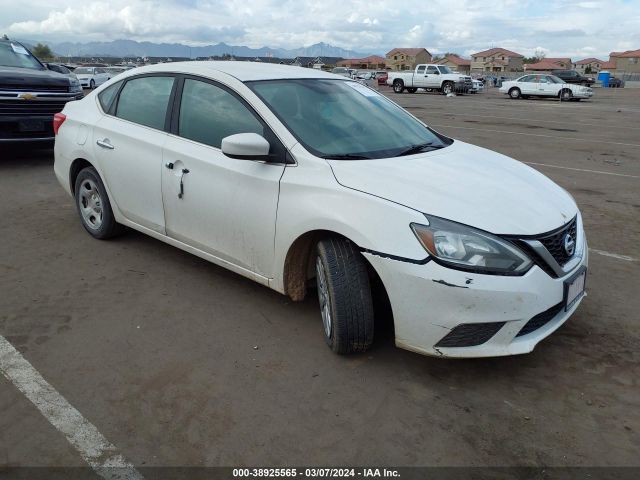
x=144, y=100
x=421, y=69
x=106, y=96
x=209, y=113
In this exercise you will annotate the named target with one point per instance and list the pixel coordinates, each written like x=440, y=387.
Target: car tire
x=515, y=93
x=344, y=294
x=412, y=90
x=565, y=94
x=92, y=84
x=93, y=205
x=398, y=86
x=447, y=88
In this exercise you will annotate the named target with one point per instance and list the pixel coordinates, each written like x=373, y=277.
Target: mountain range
x=131, y=48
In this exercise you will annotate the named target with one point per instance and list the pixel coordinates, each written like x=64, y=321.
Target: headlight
x=466, y=248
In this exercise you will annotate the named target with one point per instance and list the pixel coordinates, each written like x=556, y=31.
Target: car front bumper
x=429, y=301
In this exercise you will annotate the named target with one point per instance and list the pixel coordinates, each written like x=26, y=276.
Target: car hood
x=84, y=76
x=15, y=77
x=466, y=184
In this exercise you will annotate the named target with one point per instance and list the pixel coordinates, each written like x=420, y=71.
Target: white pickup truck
x=433, y=77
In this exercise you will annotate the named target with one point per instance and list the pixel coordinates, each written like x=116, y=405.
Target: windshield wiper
x=419, y=148
x=346, y=156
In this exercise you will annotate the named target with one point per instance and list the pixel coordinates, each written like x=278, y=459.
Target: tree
x=42, y=51
x=588, y=69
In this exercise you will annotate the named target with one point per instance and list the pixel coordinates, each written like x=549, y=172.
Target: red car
x=382, y=78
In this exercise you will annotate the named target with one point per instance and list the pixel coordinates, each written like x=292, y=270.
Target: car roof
x=243, y=71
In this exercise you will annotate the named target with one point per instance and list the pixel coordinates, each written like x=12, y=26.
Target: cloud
x=563, y=27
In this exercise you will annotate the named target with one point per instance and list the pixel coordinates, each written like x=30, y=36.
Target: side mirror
x=245, y=146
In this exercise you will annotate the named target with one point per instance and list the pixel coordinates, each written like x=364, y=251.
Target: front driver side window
x=209, y=113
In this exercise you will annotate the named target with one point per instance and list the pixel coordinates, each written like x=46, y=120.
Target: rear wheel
x=93, y=205
x=515, y=93
x=412, y=90
x=398, y=86
x=344, y=294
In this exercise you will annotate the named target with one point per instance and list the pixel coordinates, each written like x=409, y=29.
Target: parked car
x=541, y=85
x=92, y=77
x=571, y=76
x=364, y=76
x=435, y=77
x=58, y=67
x=382, y=78
x=297, y=178
x=615, y=82
x=30, y=94
x=343, y=71
x=113, y=71
x=478, y=86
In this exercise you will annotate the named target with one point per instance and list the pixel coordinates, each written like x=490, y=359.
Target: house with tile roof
x=372, y=62
x=496, y=60
x=455, y=62
x=589, y=65
x=406, y=58
x=626, y=62
x=548, y=64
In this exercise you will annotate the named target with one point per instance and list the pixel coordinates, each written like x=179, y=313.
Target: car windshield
x=84, y=70
x=15, y=55
x=345, y=119
x=444, y=69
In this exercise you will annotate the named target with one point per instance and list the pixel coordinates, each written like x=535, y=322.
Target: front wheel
x=565, y=95
x=92, y=84
x=344, y=294
x=93, y=205
x=447, y=88
x=515, y=93
x=398, y=86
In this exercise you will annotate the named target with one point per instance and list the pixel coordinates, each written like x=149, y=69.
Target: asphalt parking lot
x=156, y=348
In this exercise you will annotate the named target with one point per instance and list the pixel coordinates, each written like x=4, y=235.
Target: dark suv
x=571, y=76
x=30, y=94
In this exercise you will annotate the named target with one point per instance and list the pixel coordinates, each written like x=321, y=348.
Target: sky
x=560, y=28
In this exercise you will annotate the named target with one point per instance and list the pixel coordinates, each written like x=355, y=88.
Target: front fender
x=311, y=199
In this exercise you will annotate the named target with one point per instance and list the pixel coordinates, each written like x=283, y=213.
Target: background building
x=496, y=60
x=626, y=62
x=454, y=62
x=406, y=58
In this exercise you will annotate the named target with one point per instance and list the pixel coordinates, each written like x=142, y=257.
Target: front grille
x=470, y=334
x=40, y=88
x=540, y=320
x=555, y=242
x=26, y=107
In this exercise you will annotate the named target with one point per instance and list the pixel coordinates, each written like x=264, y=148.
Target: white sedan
x=92, y=77
x=301, y=180
x=541, y=85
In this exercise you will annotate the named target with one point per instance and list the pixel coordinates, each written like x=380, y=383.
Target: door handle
x=182, y=174
x=105, y=144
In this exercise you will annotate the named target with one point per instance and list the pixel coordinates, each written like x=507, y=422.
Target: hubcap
x=90, y=204
x=323, y=297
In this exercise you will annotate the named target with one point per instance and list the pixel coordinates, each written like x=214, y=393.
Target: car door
x=528, y=85
x=420, y=78
x=128, y=142
x=223, y=206
x=432, y=77
x=546, y=87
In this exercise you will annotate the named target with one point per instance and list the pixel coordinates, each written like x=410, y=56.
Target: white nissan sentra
x=301, y=180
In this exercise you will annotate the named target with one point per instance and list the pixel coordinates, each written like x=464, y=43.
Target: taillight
x=58, y=120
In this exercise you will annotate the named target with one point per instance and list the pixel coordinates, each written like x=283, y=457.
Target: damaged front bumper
x=435, y=307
